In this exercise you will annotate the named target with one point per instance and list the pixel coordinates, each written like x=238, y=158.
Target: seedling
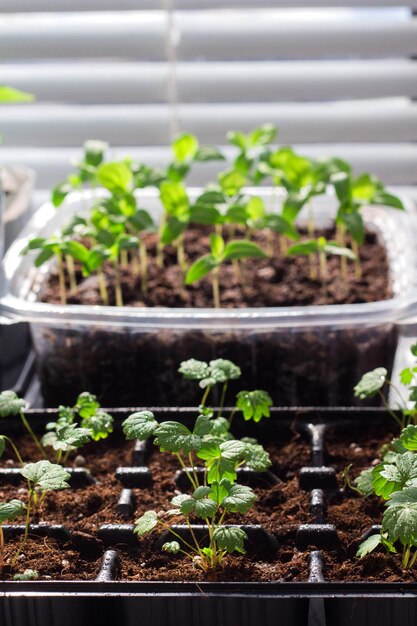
x=322, y=248
x=66, y=435
x=9, y=511
x=253, y=152
x=219, y=253
x=372, y=383
x=11, y=405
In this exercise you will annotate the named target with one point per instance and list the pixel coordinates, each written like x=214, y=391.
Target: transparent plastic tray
x=312, y=354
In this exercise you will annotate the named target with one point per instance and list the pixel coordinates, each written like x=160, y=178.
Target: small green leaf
x=203, y=266
x=263, y=135
x=28, y=574
x=254, y=404
x=231, y=182
x=371, y=383
x=205, y=508
x=10, y=510
x=388, y=199
x=400, y=518
x=203, y=425
x=390, y=477
x=174, y=437
x=208, y=153
x=87, y=404
x=304, y=248
x=406, y=376
x=185, y=147
x=243, y=249
x=230, y=538
x=174, y=198
x=146, y=523
x=94, y=150
x=116, y=177
x=67, y=437
x=239, y=500
x=172, y=547
x=364, y=482
x=140, y=425
x=10, y=404
x=368, y=545
x=256, y=457
x=216, y=246
x=192, y=369
x=77, y=250
x=222, y=370
x=408, y=437
x=100, y=425
x=45, y=475
x=60, y=192
x=11, y=95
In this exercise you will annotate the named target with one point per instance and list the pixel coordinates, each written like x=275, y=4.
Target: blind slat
x=394, y=163
x=35, y=6
x=212, y=36
x=55, y=125
x=96, y=35
x=337, y=122
x=295, y=80
x=89, y=82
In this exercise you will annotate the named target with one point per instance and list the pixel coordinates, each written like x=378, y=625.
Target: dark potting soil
x=353, y=516
x=274, y=282
x=356, y=447
x=147, y=562
x=53, y=560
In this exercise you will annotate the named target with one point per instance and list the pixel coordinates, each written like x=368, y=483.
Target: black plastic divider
x=209, y=603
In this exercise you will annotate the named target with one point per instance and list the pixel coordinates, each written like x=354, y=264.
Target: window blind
x=335, y=77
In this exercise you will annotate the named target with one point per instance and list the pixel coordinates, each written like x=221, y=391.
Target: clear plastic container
x=311, y=355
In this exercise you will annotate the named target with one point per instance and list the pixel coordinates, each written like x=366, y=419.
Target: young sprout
x=215, y=494
x=41, y=478
x=9, y=511
x=322, y=248
x=56, y=247
x=175, y=220
x=187, y=150
x=11, y=405
x=253, y=151
x=219, y=253
x=373, y=382
x=353, y=194
x=85, y=174
x=66, y=435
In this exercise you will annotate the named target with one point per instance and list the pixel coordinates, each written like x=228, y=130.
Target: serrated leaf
x=400, y=517
x=28, y=574
x=219, y=426
x=203, y=426
x=201, y=492
x=146, y=523
x=239, y=500
x=67, y=437
x=100, y=425
x=139, y=425
x=205, y=508
x=368, y=545
x=231, y=539
x=10, y=510
x=371, y=383
x=390, y=477
x=10, y=404
x=254, y=404
x=364, y=482
x=172, y=547
x=408, y=437
x=194, y=369
x=45, y=475
x=256, y=457
x=87, y=404
x=222, y=370
x=174, y=437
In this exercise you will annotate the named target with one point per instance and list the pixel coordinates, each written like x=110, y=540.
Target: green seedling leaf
x=254, y=404
x=408, y=437
x=369, y=545
x=256, y=457
x=406, y=376
x=354, y=223
x=140, y=425
x=94, y=151
x=203, y=425
x=203, y=266
x=67, y=437
x=87, y=404
x=243, y=249
x=192, y=369
x=174, y=198
x=388, y=199
x=100, y=425
x=364, y=483
x=11, y=95
x=231, y=182
x=28, y=574
x=146, y=524
x=303, y=248
x=175, y=437
x=185, y=147
x=239, y=500
x=172, y=547
x=60, y=192
x=209, y=153
x=263, y=135
x=371, y=383
x=222, y=370
x=388, y=478
x=45, y=475
x=78, y=251
x=342, y=186
x=10, y=510
x=10, y=404
x=400, y=517
x=279, y=224
x=116, y=177
x=231, y=539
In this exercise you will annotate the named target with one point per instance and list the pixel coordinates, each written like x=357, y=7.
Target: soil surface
x=359, y=448
x=277, y=281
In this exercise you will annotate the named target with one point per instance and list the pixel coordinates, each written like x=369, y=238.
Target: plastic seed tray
x=110, y=599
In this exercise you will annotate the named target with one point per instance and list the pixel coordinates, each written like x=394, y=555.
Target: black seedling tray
x=110, y=600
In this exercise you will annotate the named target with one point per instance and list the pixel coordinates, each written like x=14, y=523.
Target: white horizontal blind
x=337, y=77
